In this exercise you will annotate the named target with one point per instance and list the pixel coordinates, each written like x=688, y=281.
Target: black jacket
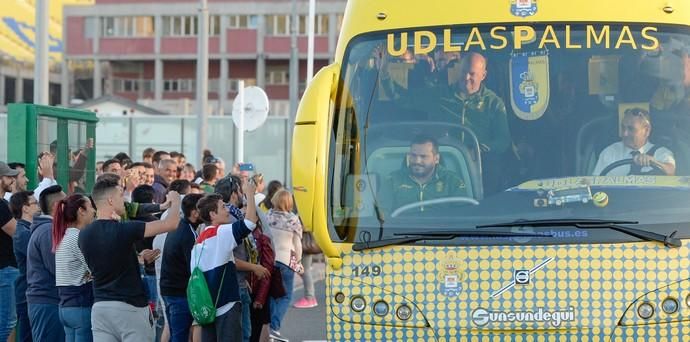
x=177, y=254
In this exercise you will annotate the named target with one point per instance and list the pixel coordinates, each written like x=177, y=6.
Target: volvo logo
x=521, y=277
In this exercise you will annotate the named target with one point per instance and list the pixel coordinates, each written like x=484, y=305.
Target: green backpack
x=201, y=305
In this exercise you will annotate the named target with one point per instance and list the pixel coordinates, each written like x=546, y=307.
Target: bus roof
x=362, y=16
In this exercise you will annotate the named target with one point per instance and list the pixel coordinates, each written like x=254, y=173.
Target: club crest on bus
x=523, y=8
x=529, y=84
x=451, y=277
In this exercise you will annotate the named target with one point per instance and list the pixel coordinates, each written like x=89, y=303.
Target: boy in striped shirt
x=213, y=252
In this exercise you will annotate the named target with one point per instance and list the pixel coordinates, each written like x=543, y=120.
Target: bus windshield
x=448, y=128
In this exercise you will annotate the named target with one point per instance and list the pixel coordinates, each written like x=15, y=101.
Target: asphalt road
x=307, y=324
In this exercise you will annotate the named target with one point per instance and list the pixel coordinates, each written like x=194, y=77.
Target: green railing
x=31, y=129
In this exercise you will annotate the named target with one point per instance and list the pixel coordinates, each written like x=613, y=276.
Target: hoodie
x=286, y=230
x=20, y=243
x=40, y=263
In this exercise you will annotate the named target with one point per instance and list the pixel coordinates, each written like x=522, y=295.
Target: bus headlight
x=403, y=312
x=670, y=305
x=340, y=297
x=380, y=308
x=645, y=311
x=663, y=305
x=358, y=304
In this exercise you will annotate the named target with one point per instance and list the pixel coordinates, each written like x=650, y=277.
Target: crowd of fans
x=115, y=264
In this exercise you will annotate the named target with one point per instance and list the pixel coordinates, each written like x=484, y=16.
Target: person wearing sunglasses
x=24, y=207
x=647, y=158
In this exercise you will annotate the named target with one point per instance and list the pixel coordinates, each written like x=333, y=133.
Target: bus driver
x=635, y=129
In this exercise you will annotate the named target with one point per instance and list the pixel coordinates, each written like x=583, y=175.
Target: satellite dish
x=255, y=108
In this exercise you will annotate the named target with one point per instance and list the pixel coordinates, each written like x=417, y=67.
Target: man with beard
x=421, y=179
x=20, y=180
x=8, y=265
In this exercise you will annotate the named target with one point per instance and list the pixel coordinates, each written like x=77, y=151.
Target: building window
x=147, y=85
x=123, y=85
x=131, y=85
x=339, y=19
x=233, y=84
x=117, y=85
x=302, y=28
x=181, y=85
x=170, y=85
x=108, y=29
x=277, y=75
x=144, y=27
x=214, y=25
x=190, y=27
x=279, y=25
x=322, y=22
x=140, y=26
x=187, y=85
x=172, y=26
x=181, y=26
x=243, y=21
x=320, y=25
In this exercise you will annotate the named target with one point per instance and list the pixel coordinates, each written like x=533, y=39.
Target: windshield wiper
x=668, y=240
x=555, y=222
x=436, y=236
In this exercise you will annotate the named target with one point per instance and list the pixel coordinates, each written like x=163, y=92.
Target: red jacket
x=261, y=287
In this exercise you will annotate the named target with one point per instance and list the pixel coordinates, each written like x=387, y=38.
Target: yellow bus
x=502, y=170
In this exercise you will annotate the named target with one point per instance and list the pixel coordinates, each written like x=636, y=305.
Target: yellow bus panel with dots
x=502, y=170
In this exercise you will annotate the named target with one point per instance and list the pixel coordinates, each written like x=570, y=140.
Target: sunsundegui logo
x=482, y=317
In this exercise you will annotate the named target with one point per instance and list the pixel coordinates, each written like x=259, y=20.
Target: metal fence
x=265, y=147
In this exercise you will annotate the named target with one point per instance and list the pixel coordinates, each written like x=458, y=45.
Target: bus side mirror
x=310, y=153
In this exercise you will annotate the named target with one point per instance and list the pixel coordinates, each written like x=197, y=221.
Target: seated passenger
x=421, y=179
x=635, y=129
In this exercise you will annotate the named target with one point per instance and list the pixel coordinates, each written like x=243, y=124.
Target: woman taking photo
x=72, y=276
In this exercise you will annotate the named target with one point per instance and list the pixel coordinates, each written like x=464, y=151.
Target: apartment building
x=146, y=50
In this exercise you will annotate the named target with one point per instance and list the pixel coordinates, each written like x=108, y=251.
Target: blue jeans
x=8, y=315
x=45, y=322
x=179, y=318
x=280, y=306
x=246, y=300
x=152, y=291
x=23, y=325
x=77, y=324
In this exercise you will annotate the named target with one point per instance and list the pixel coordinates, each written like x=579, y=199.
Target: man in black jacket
x=175, y=269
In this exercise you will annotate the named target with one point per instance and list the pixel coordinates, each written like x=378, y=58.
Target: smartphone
x=246, y=167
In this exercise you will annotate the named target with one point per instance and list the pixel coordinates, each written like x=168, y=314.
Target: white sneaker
x=275, y=337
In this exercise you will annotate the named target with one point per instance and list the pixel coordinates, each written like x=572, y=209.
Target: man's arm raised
x=249, y=189
x=170, y=222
